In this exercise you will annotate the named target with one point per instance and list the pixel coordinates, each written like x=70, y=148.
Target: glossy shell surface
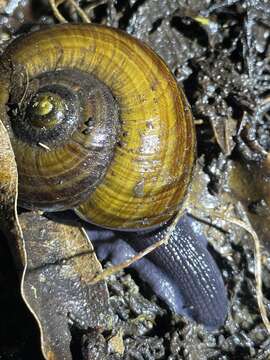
x=151, y=166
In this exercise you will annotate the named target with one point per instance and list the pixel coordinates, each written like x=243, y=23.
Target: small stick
x=54, y=5
x=116, y=268
x=82, y=14
x=258, y=268
x=258, y=260
x=56, y=12
x=198, y=121
x=96, y=3
x=44, y=146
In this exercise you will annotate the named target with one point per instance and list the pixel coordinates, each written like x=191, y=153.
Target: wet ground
x=219, y=51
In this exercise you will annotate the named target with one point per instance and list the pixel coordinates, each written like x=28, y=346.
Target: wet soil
x=219, y=51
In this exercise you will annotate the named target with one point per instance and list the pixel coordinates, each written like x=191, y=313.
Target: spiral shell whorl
x=149, y=172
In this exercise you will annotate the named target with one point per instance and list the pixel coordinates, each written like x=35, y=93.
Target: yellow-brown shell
x=148, y=176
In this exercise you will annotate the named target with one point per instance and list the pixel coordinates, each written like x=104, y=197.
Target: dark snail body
x=189, y=263
x=98, y=123
x=183, y=273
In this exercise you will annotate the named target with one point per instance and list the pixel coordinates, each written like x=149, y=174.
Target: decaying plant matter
x=219, y=51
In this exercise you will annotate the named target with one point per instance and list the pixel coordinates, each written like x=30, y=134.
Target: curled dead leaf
x=57, y=263
x=8, y=197
x=56, y=285
x=225, y=131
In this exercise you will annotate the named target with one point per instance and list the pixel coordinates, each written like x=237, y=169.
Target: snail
x=98, y=124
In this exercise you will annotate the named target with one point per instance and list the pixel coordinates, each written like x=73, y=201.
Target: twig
x=54, y=5
x=258, y=260
x=56, y=12
x=82, y=14
x=44, y=146
x=94, y=4
x=116, y=268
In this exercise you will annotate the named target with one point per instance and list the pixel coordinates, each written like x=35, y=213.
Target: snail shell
x=97, y=122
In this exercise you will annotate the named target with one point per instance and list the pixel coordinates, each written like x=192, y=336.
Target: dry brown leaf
x=56, y=285
x=225, y=131
x=8, y=197
x=57, y=263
